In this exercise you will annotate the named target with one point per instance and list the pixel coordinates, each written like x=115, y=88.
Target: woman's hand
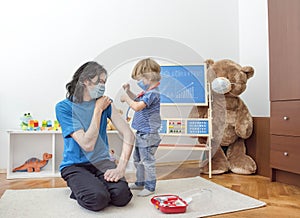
x=102, y=103
x=114, y=175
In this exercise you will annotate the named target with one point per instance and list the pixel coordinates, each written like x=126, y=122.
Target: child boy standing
x=146, y=122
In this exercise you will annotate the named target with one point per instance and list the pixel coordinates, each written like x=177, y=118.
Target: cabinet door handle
x=285, y=118
x=285, y=153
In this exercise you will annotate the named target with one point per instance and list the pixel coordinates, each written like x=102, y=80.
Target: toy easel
x=195, y=91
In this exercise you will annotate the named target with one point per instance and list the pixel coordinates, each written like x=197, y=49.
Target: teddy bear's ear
x=209, y=62
x=249, y=71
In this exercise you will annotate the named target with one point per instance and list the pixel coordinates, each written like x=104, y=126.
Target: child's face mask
x=142, y=85
x=97, y=91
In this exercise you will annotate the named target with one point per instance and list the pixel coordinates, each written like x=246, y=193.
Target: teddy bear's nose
x=221, y=85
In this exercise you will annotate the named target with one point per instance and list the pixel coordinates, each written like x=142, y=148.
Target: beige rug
x=208, y=199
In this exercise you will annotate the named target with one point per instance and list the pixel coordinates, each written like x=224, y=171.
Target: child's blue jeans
x=146, y=145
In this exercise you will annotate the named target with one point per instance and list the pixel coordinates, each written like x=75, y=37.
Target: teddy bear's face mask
x=221, y=85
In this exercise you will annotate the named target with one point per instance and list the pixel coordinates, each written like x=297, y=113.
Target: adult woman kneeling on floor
x=94, y=180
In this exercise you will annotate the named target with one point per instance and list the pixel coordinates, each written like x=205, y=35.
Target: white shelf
x=23, y=145
x=25, y=175
x=184, y=148
x=13, y=131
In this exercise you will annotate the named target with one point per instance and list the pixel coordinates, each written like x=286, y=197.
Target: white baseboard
x=2, y=170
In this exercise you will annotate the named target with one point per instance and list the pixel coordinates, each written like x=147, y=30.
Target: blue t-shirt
x=148, y=120
x=75, y=116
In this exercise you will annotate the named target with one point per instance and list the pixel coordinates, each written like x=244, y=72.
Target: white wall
x=44, y=42
x=254, y=51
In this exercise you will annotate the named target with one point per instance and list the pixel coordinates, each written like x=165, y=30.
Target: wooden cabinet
x=284, y=47
x=285, y=118
x=284, y=51
x=285, y=153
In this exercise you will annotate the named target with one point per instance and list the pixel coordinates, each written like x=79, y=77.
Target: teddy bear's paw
x=245, y=165
x=214, y=171
x=241, y=171
x=219, y=163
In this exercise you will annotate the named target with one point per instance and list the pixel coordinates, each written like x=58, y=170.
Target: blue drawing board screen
x=183, y=85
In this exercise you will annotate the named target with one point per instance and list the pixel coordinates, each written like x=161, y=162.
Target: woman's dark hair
x=86, y=72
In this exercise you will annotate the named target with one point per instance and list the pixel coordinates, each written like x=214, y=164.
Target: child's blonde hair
x=147, y=68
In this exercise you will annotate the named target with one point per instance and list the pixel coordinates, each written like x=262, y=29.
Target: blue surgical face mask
x=142, y=85
x=97, y=91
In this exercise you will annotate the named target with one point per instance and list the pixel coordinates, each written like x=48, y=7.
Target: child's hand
x=126, y=87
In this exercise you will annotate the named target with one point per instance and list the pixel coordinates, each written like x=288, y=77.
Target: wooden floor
x=282, y=200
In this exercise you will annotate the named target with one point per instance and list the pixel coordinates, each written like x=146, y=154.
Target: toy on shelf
x=47, y=125
x=25, y=120
x=33, y=125
x=56, y=125
x=34, y=164
x=30, y=124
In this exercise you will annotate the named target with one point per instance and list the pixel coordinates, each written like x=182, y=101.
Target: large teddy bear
x=231, y=121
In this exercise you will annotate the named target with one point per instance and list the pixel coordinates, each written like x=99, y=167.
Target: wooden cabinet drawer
x=285, y=153
x=285, y=118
